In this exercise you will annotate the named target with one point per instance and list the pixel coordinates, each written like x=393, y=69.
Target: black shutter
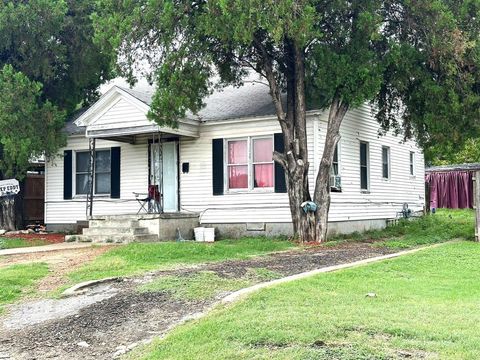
x=278, y=146
x=115, y=173
x=217, y=166
x=67, y=174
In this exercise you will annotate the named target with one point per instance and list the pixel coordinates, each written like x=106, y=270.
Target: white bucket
x=209, y=234
x=199, y=233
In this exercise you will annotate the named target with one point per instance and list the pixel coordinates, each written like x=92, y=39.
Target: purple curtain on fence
x=452, y=189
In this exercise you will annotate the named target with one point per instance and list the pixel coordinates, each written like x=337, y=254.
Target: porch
x=129, y=178
x=138, y=228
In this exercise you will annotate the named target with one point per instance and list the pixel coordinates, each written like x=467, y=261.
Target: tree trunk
x=11, y=210
x=321, y=197
x=8, y=219
x=307, y=226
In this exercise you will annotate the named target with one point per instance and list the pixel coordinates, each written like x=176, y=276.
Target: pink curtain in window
x=452, y=189
x=238, y=177
x=263, y=175
x=237, y=152
x=262, y=150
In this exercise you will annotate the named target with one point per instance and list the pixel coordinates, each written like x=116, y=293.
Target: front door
x=164, y=172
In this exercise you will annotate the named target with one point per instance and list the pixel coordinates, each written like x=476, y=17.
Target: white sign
x=9, y=187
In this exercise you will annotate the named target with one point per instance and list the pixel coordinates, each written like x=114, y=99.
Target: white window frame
x=389, y=164
x=411, y=163
x=367, y=190
x=339, y=171
x=250, y=165
x=74, y=176
x=339, y=161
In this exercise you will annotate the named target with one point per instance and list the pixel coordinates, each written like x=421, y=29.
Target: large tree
x=414, y=59
x=49, y=65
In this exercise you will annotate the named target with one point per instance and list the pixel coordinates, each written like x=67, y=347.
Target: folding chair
x=152, y=202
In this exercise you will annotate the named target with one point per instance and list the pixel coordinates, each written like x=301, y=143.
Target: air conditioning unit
x=336, y=182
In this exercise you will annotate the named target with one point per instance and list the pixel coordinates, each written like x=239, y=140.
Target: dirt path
x=60, y=263
x=124, y=317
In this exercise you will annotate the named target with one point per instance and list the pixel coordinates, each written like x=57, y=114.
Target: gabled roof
x=247, y=101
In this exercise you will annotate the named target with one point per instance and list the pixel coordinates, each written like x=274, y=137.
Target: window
x=364, y=154
x=262, y=162
x=81, y=178
x=386, y=162
x=335, y=180
x=335, y=170
x=250, y=163
x=102, y=172
x=412, y=163
x=237, y=164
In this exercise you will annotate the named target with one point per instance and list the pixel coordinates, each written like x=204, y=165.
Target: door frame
x=177, y=149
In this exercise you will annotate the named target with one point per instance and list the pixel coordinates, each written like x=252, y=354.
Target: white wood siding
x=133, y=178
x=121, y=114
x=384, y=200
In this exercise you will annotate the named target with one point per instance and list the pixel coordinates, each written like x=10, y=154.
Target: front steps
x=114, y=229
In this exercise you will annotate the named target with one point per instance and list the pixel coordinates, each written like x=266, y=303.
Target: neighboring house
x=217, y=169
x=451, y=186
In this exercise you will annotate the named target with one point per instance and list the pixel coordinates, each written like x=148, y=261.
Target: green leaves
x=49, y=67
x=29, y=127
x=432, y=71
x=50, y=41
x=417, y=61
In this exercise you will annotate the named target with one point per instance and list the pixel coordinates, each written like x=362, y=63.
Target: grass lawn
x=17, y=280
x=443, y=226
x=137, y=258
x=426, y=305
x=10, y=243
x=206, y=284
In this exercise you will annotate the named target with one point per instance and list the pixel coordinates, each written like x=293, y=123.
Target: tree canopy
x=29, y=126
x=49, y=65
x=415, y=61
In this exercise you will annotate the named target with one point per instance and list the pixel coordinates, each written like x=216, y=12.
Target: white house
x=216, y=169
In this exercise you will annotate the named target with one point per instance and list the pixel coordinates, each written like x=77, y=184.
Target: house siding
x=384, y=200
x=133, y=178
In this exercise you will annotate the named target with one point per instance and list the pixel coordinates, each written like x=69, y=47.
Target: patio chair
x=150, y=202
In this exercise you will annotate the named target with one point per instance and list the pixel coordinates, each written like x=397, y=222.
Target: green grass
x=10, y=243
x=136, y=258
x=426, y=306
x=17, y=280
x=443, y=226
x=206, y=284
x=200, y=286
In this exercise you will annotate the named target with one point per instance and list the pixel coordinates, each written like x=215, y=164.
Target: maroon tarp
x=452, y=189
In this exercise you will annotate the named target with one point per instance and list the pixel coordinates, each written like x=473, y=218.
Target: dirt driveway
x=112, y=318
x=60, y=262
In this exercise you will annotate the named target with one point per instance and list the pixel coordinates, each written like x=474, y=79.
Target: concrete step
x=126, y=217
x=112, y=238
x=113, y=223
x=115, y=231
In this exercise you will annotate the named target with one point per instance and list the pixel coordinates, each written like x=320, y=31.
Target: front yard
x=420, y=306
x=17, y=280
